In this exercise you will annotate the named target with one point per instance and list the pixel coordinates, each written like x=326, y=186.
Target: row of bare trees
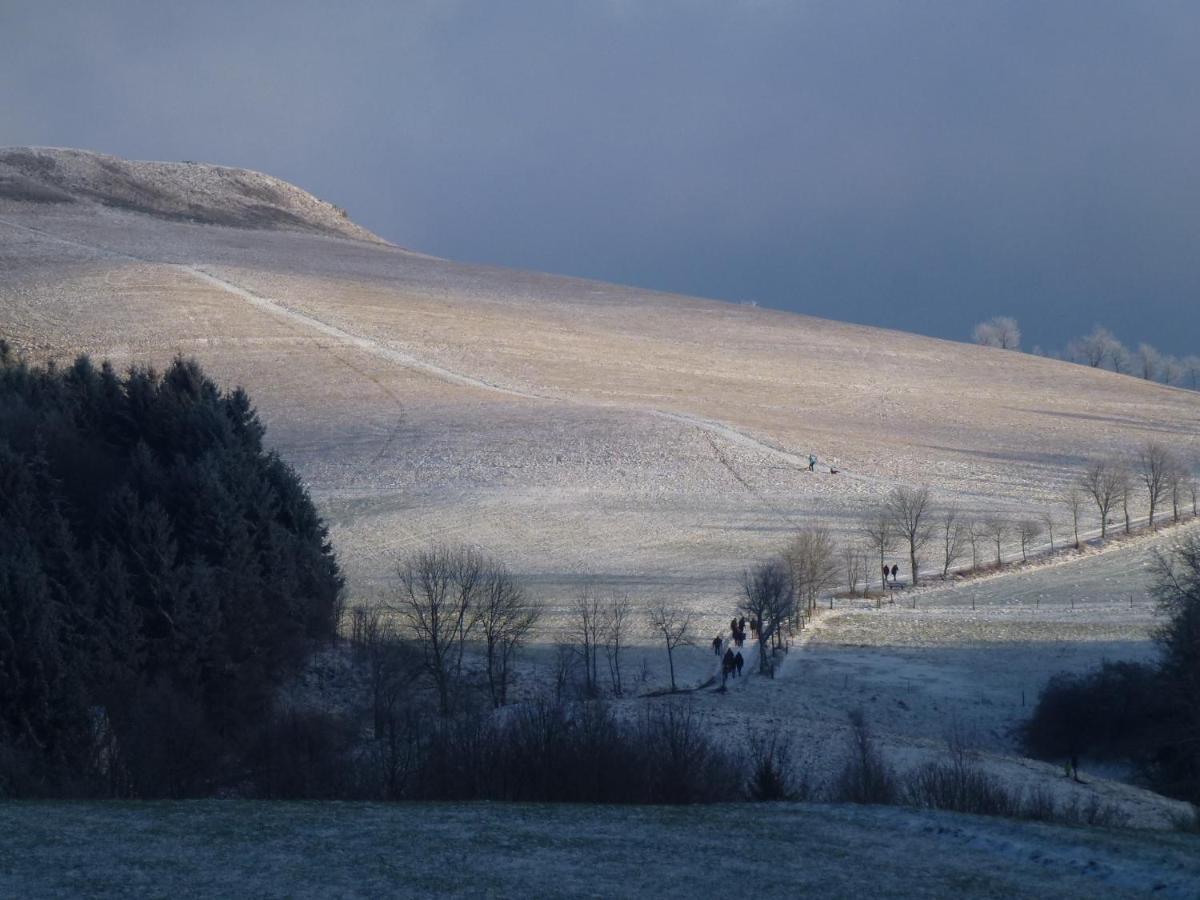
x=1154, y=472
x=1100, y=349
x=910, y=522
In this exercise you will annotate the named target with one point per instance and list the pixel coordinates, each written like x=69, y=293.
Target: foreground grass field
x=218, y=848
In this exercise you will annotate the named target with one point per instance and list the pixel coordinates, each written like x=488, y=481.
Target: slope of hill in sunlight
x=655, y=442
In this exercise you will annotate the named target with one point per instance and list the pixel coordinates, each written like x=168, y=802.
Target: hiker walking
x=728, y=663
x=895, y=572
x=716, y=645
x=886, y=572
x=812, y=462
x=738, y=662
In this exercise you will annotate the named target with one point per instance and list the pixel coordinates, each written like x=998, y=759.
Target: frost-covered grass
x=219, y=848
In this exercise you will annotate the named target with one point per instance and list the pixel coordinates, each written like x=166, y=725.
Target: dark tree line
x=1148, y=714
x=160, y=574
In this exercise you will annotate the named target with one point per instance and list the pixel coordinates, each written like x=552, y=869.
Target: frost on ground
x=219, y=848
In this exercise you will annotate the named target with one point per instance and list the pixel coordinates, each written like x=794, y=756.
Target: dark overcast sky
x=913, y=164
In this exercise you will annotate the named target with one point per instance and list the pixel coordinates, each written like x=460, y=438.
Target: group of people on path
x=732, y=660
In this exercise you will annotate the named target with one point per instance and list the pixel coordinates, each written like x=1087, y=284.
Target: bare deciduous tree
x=1171, y=371
x=854, y=566
x=909, y=511
x=1028, y=531
x=1190, y=372
x=767, y=598
x=1048, y=523
x=878, y=535
x=1072, y=499
x=618, y=619
x=586, y=631
x=506, y=617
x=975, y=533
x=1148, y=362
x=1102, y=482
x=812, y=559
x=1126, y=495
x=1093, y=349
x=435, y=601
x=997, y=528
x=674, y=624
x=952, y=534
x=1120, y=360
x=1154, y=468
x=1176, y=485
x=1001, y=331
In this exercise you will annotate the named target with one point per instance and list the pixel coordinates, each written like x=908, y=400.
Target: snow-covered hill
x=572, y=427
x=187, y=191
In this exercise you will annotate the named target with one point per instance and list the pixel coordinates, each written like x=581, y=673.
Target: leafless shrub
x=581, y=754
x=1039, y=805
x=960, y=788
x=773, y=774
x=866, y=776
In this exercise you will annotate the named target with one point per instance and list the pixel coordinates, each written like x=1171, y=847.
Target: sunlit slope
x=573, y=427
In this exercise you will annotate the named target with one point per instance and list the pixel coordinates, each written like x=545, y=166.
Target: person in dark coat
x=716, y=645
x=739, y=662
x=895, y=572
x=728, y=662
x=886, y=572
